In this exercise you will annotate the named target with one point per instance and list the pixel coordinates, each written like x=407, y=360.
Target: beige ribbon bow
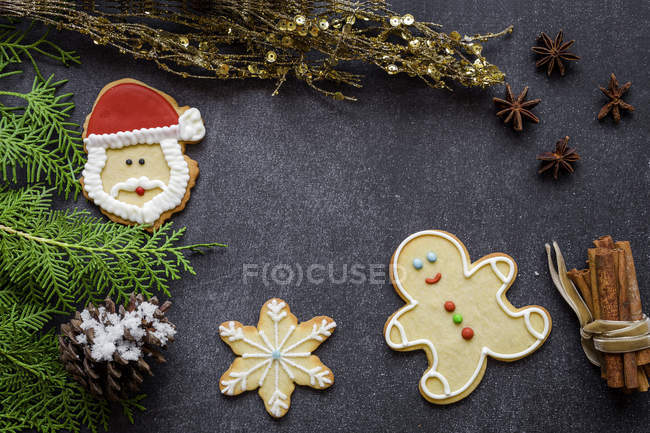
x=597, y=336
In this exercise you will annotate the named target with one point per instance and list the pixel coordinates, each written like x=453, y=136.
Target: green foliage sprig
x=53, y=261
x=68, y=257
x=35, y=391
x=36, y=135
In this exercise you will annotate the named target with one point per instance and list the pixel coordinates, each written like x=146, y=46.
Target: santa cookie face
x=137, y=172
x=457, y=312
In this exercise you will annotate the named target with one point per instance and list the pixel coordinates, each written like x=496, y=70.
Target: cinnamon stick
x=595, y=302
x=593, y=283
x=634, y=296
x=629, y=359
x=604, y=242
x=607, y=284
x=643, y=380
x=580, y=278
x=642, y=359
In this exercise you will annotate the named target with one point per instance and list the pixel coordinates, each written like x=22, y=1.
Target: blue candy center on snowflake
x=276, y=354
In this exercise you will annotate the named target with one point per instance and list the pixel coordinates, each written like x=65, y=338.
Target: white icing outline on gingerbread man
x=492, y=261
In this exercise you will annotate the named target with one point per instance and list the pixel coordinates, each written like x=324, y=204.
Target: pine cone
x=103, y=348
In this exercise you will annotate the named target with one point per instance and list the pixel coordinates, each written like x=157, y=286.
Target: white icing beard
x=151, y=210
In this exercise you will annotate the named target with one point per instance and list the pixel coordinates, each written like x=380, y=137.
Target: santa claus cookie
x=135, y=136
x=457, y=312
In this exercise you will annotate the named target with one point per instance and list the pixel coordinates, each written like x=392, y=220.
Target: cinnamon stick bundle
x=611, y=292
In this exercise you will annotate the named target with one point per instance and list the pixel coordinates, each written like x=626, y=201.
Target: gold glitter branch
x=308, y=39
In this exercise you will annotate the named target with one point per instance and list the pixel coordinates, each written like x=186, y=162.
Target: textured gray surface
x=300, y=179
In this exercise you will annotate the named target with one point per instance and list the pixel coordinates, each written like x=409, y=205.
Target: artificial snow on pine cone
x=104, y=347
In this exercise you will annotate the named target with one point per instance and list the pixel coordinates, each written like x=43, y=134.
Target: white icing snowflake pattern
x=276, y=355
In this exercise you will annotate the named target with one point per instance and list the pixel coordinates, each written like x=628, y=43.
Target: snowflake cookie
x=275, y=355
x=457, y=312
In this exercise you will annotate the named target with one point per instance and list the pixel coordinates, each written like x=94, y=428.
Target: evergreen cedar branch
x=68, y=257
x=37, y=138
x=50, y=261
x=36, y=393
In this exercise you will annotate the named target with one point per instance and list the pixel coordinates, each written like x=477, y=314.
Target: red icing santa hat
x=132, y=113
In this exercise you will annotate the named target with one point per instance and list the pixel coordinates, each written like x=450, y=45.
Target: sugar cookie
x=275, y=355
x=137, y=172
x=457, y=312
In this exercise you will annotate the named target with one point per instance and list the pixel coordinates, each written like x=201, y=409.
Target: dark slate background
x=300, y=179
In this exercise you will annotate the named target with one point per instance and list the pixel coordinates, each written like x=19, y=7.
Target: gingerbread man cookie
x=275, y=355
x=137, y=172
x=457, y=312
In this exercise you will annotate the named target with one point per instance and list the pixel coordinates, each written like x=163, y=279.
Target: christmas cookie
x=135, y=136
x=276, y=355
x=457, y=312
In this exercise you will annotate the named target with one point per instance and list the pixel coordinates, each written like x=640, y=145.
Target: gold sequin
x=407, y=20
x=323, y=24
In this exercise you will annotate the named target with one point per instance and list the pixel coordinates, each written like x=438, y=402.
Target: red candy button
x=139, y=190
x=467, y=333
x=450, y=306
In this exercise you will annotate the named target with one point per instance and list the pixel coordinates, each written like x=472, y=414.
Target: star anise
x=554, y=52
x=562, y=157
x=516, y=108
x=614, y=93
